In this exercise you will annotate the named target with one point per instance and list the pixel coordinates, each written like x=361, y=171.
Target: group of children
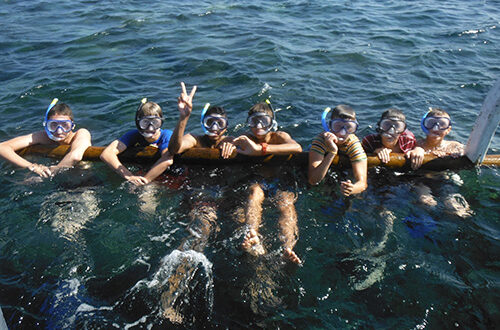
x=263, y=138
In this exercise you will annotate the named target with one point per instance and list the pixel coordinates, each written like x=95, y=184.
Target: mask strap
x=323, y=119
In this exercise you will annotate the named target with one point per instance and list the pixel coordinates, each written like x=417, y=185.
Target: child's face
x=342, y=128
x=215, y=126
x=260, y=124
x=59, y=126
x=390, y=129
x=438, y=127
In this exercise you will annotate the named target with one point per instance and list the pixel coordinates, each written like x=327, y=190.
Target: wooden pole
x=212, y=156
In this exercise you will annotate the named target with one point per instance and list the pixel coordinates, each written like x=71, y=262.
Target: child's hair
x=261, y=107
x=149, y=109
x=61, y=109
x=343, y=111
x=437, y=112
x=393, y=113
x=216, y=110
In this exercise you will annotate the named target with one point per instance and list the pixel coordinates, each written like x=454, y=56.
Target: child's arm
x=360, y=169
x=319, y=163
x=81, y=142
x=110, y=156
x=160, y=166
x=281, y=143
x=8, y=151
x=416, y=157
x=227, y=147
x=185, y=106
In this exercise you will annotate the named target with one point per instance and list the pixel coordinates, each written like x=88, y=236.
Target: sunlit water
x=88, y=250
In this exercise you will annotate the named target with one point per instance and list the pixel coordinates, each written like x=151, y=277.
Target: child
x=148, y=120
x=261, y=140
x=436, y=124
x=214, y=123
x=393, y=137
x=59, y=126
x=339, y=137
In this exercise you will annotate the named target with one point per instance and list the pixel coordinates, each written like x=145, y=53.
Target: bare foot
x=291, y=256
x=252, y=244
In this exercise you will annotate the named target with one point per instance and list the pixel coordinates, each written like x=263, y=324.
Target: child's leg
x=425, y=195
x=288, y=223
x=203, y=218
x=253, y=217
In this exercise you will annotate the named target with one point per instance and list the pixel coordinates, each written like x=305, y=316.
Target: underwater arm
x=110, y=157
x=8, y=151
x=359, y=169
x=81, y=142
x=160, y=166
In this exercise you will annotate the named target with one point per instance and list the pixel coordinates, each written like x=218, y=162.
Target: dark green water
x=88, y=250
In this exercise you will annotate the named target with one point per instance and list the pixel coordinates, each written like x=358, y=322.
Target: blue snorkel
x=426, y=131
x=203, y=113
x=49, y=134
x=323, y=119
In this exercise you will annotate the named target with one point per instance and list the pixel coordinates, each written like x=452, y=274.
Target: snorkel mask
x=51, y=126
x=263, y=120
x=338, y=124
x=143, y=123
x=428, y=123
x=391, y=126
x=212, y=125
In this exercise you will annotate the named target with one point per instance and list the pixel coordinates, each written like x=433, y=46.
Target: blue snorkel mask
x=428, y=123
x=338, y=124
x=213, y=124
x=426, y=131
x=51, y=126
x=264, y=120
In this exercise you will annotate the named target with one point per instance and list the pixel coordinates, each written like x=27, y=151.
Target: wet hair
x=344, y=112
x=148, y=109
x=261, y=107
x=393, y=113
x=437, y=112
x=60, y=109
x=215, y=110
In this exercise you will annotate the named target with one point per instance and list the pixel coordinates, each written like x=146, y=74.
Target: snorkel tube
x=203, y=113
x=426, y=131
x=274, y=125
x=49, y=134
x=323, y=119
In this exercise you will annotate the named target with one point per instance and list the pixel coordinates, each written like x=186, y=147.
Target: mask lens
x=264, y=120
x=398, y=125
x=64, y=125
x=441, y=122
x=337, y=125
x=145, y=122
x=211, y=121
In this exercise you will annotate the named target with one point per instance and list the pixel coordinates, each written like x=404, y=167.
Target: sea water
x=86, y=249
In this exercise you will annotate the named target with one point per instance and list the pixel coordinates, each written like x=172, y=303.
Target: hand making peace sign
x=185, y=101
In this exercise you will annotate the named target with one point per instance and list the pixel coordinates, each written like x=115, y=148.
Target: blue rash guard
x=134, y=139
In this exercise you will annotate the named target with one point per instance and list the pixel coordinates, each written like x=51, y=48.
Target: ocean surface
x=87, y=250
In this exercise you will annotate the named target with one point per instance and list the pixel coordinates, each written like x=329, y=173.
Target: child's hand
x=226, y=149
x=247, y=146
x=41, y=170
x=185, y=101
x=137, y=180
x=416, y=157
x=330, y=141
x=346, y=187
x=384, y=154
